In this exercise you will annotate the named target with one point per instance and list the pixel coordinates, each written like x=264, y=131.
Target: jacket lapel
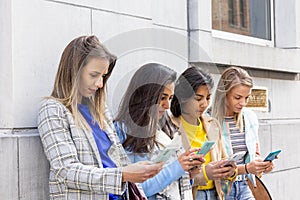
x=93, y=144
x=114, y=150
x=185, y=140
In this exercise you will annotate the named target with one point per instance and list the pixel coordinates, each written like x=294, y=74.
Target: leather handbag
x=134, y=192
x=260, y=192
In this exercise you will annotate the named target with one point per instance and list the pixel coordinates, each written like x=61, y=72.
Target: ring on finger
x=191, y=159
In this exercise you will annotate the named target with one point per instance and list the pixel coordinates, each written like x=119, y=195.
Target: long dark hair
x=186, y=86
x=138, y=110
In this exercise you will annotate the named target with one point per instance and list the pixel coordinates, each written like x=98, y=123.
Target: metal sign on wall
x=258, y=99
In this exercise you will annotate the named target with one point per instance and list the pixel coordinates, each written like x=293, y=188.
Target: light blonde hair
x=75, y=57
x=230, y=78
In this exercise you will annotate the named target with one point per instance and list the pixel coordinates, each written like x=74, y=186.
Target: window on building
x=231, y=12
x=243, y=14
x=245, y=17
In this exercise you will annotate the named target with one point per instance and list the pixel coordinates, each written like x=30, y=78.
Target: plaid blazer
x=76, y=170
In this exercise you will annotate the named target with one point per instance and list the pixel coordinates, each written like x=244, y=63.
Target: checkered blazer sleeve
x=55, y=125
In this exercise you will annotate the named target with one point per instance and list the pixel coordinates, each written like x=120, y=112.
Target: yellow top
x=197, y=136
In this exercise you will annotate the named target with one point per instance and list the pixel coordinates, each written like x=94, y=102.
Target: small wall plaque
x=258, y=99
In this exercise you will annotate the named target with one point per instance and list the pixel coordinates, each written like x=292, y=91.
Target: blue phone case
x=206, y=147
x=272, y=155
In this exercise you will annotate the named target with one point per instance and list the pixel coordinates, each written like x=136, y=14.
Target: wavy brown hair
x=138, y=110
x=75, y=57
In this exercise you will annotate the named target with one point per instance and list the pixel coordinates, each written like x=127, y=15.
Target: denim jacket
x=172, y=178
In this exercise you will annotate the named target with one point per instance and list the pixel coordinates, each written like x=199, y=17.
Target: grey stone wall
x=24, y=169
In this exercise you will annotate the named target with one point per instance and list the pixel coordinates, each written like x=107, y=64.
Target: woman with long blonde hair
x=239, y=128
x=86, y=158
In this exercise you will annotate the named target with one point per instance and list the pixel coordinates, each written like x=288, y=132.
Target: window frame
x=248, y=39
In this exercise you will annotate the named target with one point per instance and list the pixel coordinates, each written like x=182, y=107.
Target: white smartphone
x=170, y=150
x=164, y=155
x=235, y=158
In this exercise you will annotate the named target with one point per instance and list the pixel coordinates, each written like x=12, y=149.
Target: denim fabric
x=240, y=191
x=207, y=195
x=172, y=182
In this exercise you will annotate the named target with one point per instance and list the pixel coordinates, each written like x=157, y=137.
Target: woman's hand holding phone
x=234, y=158
x=270, y=157
x=189, y=160
x=216, y=170
x=259, y=165
x=140, y=171
x=273, y=155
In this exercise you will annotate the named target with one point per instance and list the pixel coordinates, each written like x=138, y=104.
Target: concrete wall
x=287, y=23
x=280, y=126
x=24, y=168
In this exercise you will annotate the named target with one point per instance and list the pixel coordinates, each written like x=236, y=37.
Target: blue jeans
x=207, y=195
x=240, y=191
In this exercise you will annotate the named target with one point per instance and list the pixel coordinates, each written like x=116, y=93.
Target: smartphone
x=207, y=145
x=235, y=158
x=272, y=155
x=164, y=155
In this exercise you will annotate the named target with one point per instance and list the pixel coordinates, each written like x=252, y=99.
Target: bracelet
x=246, y=169
x=204, y=172
x=234, y=175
